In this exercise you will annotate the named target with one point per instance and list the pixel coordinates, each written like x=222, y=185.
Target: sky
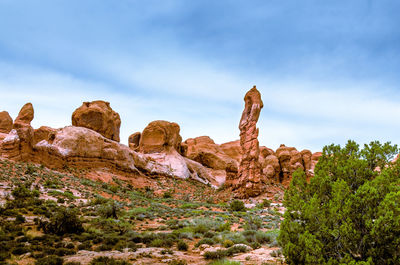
x=328, y=71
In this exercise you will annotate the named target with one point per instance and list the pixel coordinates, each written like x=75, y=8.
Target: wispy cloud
x=327, y=72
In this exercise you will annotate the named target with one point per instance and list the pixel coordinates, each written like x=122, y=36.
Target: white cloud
x=297, y=114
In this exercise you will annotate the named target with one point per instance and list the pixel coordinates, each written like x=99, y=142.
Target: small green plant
x=237, y=206
x=49, y=260
x=182, y=245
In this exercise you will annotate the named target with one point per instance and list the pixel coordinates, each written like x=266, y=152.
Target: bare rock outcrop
x=134, y=140
x=6, y=122
x=160, y=136
x=249, y=181
x=19, y=141
x=98, y=116
x=44, y=133
x=25, y=116
x=204, y=150
x=314, y=160
x=233, y=150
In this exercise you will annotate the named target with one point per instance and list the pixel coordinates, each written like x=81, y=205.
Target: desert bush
x=218, y=254
x=64, y=221
x=109, y=210
x=108, y=261
x=208, y=241
x=177, y=262
x=224, y=262
x=237, y=206
x=49, y=260
x=349, y=212
x=182, y=245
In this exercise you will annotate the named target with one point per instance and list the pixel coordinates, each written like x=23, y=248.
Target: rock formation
x=25, y=116
x=203, y=150
x=134, y=140
x=250, y=178
x=6, y=122
x=160, y=136
x=158, y=150
x=98, y=116
x=233, y=150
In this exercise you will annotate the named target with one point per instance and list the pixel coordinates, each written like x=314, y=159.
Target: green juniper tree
x=349, y=212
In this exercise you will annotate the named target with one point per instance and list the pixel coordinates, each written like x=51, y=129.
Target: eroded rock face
x=204, y=150
x=134, y=140
x=98, y=116
x=160, y=136
x=250, y=178
x=233, y=150
x=6, y=122
x=44, y=133
x=306, y=155
x=314, y=160
x=25, y=116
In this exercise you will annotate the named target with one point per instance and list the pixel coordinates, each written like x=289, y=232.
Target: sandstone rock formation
x=250, y=178
x=314, y=160
x=233, y=150
x=160, y=136
x=18, y=143
x=134, y=140
x=25, y=116
x=204, y=150
x=98, y=116
x=44, y=133
x=158, y=150
x=6, y=122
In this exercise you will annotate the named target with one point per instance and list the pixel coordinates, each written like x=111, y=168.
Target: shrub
x=65, y=220
x=177, y=262
x=266, y=203
x=20, y=250
x=237, y=206
x=108, y=261
x=19, y=219
x=49, y=260
x=208, y=241
x=110, y=210
x=227, y=243
x=349, y=212
x=167, y=195
x=182, y=245
x=225, y=262
x=218, y=254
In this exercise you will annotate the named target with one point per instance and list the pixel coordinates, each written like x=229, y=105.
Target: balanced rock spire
x=249, y=181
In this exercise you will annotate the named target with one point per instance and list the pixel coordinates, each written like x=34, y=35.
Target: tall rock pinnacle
x=249, y=179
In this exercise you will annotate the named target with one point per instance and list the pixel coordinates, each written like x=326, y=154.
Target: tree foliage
x=64, y=221
x=349, y=212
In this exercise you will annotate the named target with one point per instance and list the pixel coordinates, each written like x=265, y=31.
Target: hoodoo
x=249, y=180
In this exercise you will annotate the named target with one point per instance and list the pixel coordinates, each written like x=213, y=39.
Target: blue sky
x=328, y=70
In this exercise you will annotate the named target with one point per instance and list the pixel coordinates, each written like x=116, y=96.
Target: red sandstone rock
x=134, y=140
x=271, y=168
x=6, y=122
x=314, y=160
x=98, y=116
x=203, y=150
x=265, y=151
x=306, y=155
x=160, y=136
x=250, y=178
x=25, y=116
x=233, y=150
x=44, y=133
